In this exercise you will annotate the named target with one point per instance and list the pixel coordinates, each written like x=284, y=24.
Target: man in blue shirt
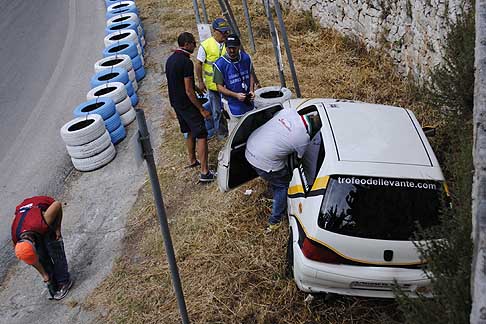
x=233, y=75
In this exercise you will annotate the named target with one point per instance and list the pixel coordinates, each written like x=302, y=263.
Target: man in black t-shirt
x=190, y=113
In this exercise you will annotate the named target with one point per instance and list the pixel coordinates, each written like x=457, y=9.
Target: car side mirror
x=429, y=131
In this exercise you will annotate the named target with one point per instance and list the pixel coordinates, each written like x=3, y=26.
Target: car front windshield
x=380, y=208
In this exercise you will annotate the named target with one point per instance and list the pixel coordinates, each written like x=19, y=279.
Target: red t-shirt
x=29, y=218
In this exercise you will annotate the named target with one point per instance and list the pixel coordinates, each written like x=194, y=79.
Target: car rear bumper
x=317, y=277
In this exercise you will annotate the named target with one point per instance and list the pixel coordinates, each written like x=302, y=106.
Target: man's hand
x=240, y=96
x=202, y=87
x=58, y=235
x=252, y=95
x=206, y=114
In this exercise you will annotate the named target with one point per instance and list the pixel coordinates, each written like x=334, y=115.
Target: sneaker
x=272, y=227
x=208, y=177
x=63, y=290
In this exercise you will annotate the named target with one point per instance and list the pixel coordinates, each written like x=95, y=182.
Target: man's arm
x=201, y=57
x=188, y=85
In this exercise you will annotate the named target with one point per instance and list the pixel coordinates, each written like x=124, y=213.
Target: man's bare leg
x=202, y=152
x=191, y=148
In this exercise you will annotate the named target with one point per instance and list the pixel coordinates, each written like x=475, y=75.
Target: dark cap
x=221, y=25
x=232, y=41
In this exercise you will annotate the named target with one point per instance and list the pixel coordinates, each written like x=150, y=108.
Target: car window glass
x=311, y=161
x=251, y=123
x=380, y=208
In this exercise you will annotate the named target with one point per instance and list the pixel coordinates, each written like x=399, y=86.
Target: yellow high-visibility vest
x=213, y=52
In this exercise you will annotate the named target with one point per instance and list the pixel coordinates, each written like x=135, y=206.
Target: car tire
x=121, y=26
x=97, y=161
x=134, y=81
x=104, y=106
x=90, y=149
x=140, y=73
x=137, y=63
x=134, y=100
x=289, y=268
x=114, y=90
x=128, y=117
x=82, y=130
x=108, y=62
x=118, y=134
x=271, y=95
x=113, y=122
x=109, y=75
x=124, y=106
x=122, y=36
x=120, y=18
x=128, y=48
x=130, y=90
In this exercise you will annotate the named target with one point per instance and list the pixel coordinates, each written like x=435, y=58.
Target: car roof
x=377, y=134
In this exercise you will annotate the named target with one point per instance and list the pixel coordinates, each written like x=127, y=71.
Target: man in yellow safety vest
x=209, y=51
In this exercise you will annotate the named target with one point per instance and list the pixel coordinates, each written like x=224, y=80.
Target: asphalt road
x=47, y=53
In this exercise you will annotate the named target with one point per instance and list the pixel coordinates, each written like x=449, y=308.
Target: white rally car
x=367, y=180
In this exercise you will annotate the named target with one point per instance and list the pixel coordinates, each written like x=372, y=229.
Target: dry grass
x=231, y=272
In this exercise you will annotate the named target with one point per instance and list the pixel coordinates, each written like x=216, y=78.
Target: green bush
x=450, y=259
x=452, y=86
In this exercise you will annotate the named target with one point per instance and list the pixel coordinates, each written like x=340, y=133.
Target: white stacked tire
x=120, y=7
x=88, y=142
x=123, y=17
x=105, y=107
x=118, y=93
x=267, y=96
x=122, y=61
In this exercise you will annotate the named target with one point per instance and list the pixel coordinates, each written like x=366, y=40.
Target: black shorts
x=191, y=121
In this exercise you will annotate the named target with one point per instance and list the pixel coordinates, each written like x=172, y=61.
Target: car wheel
x=289, y=269
x=96, y=161
x=128, y=117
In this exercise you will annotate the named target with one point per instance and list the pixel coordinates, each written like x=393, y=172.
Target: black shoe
x=63, y=290
x=208, y=177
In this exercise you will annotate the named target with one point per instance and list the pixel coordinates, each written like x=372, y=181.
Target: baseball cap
x=24, y=250
x=221, y=25
x=232, y=41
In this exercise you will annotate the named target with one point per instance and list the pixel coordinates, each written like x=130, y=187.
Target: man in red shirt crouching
x=36, y=235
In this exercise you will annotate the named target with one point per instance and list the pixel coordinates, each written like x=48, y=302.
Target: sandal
x=195, y=164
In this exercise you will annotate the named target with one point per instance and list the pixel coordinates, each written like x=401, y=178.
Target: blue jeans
x=53, y=258
x=279, y=180
x=216, y=113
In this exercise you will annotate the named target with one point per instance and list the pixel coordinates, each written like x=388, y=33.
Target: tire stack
x=114, y=61
x=88, y=142
x=118, y=93
x=118, y=23
x=105, y=107
x=130, y=49
x=124, y=17
x=115, y=75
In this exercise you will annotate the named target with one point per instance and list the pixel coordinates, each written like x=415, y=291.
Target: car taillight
x=317, y=252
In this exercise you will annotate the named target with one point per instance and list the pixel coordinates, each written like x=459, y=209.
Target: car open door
x=233, y=168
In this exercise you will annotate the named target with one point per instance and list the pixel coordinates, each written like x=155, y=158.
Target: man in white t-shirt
x=268, y=148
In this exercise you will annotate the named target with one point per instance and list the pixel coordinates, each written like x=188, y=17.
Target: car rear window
x=380, y=208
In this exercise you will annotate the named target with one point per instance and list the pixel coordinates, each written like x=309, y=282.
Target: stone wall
x=412, y=31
